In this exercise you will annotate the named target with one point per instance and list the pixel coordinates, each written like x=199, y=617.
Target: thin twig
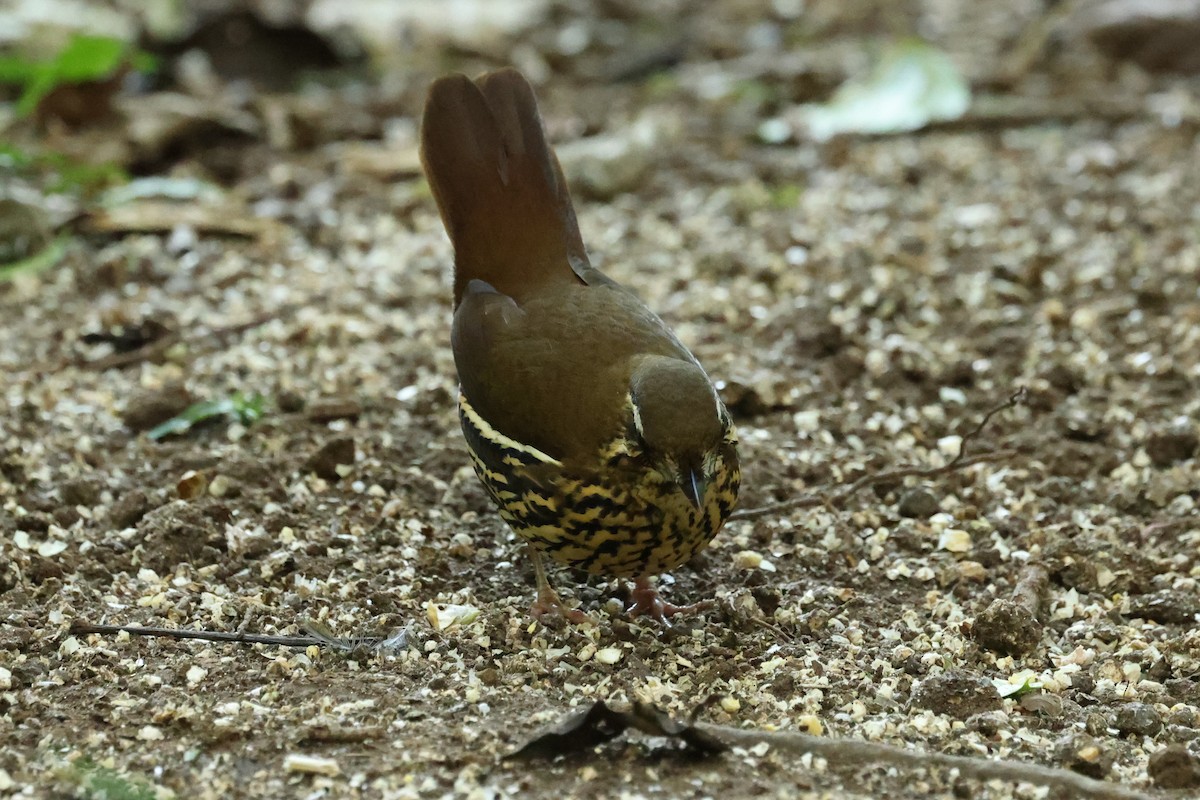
x=185, y=633
x=1015, y=399
x=839, y=498
x=155, y=350
x=317, y=635
x=1030, y=592
x=151, y=351
x=844, y=753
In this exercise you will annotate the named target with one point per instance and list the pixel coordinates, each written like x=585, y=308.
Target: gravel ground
x=863, y=303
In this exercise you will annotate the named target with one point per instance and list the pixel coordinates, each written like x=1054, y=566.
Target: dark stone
x=151, y=407
x=958, y=694
x=918, y=504
x=1137, y=719
x=1007, y=627
x=1170, y=446
x=1174, y=767
x=1082, y=753
x=129, y=508
x=289, y=401
x=80, y=492
x=327, y=409
x=1168, y=607
x=329, y=456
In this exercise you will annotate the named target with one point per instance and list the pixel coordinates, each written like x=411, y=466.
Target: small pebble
x=1137, y=719
x=918, y=504
x=1174, y=767
x=191, y=484
x=1080, y=752
x=327, y=409
x=337, y=452
x=1007, y=627
x=1170, y=446
x=957, y=693
x=151, y=407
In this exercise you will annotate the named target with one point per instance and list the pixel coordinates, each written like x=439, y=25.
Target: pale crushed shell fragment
x=954, y=540
x=950, y=445
x=747, y=559
x=1020, y=683
x=5, y=678
x=808, y=421
x=311, y=765
x=219, y=486
x=51, y=548
x=446, y=615
x=196, y=673
x=609, y=655
x=951, y=395
x=810, y=724
x=151, y=733
x=730, y=705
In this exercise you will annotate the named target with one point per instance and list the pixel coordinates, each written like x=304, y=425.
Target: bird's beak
x=694, y=486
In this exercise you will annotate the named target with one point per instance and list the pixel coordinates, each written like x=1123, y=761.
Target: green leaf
x=85, y=58
x=99, y=782
x=912, y=85
x=1023, y=683
x=237, y=406
x=17, y=70
x=89, y=58
x=40, y=261
x=43, y=83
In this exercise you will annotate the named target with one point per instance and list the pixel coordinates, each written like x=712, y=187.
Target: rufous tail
x=498, y=185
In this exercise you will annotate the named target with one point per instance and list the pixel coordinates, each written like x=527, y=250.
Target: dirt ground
x=862, y=302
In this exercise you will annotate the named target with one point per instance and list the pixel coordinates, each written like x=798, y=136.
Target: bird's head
x=681, y=425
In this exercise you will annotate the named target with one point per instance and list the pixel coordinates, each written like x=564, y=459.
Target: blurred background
x=94, y=92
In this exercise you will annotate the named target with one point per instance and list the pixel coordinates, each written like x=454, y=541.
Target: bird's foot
x=647, y=601
x=549, y=603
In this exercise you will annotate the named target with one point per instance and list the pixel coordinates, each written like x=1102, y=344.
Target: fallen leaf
x=583, y=730
x=912, y=85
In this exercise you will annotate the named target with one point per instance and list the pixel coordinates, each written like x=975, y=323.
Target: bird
x=599, y=437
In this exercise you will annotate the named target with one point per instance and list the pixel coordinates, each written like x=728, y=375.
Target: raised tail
x=498, y=185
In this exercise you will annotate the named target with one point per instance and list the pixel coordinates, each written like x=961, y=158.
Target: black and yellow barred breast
x=620, y=516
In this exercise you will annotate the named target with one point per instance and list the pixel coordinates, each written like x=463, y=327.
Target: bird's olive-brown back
x=554, y=373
